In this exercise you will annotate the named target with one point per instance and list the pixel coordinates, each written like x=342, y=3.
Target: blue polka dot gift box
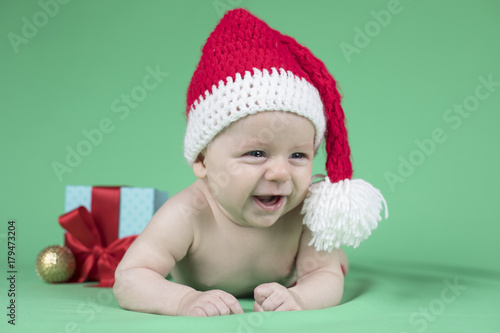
x=101, y=222
x=137, y=205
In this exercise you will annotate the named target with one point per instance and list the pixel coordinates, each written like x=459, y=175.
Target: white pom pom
x=342, y=213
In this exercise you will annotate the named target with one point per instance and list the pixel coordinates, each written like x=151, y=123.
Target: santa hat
x=246, y=67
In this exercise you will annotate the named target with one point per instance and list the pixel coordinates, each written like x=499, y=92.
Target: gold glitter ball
x=55, y=264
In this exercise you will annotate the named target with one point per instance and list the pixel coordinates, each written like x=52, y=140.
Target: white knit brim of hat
x=254, y=92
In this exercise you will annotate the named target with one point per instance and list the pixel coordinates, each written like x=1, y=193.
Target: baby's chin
x=263, y=217
x=256, y=224
x=262, y=223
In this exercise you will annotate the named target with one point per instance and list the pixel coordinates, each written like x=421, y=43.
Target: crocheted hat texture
x=247, y=67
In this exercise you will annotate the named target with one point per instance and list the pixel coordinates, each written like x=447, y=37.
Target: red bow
x=93, y=237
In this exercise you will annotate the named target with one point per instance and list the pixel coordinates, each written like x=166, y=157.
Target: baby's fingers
x=263, y=291
x=220, y=303
x=210, y=308
x=209, y=304
x=269, y=296
x=257, y=307
x=215, y=305
x=199, y=311
x=231, y=303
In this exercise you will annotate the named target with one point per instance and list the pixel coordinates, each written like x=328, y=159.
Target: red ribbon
x=93, y=237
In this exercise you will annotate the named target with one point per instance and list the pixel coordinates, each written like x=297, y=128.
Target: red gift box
x=93, y=237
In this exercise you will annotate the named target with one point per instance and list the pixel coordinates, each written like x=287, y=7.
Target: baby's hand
x=209, y=303
x=275, y=297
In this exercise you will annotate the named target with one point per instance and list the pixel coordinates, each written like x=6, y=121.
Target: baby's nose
x=278, y=171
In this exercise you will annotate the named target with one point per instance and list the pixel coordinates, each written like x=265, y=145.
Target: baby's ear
x=199, y=168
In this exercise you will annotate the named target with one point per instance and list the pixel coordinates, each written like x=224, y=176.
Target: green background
x=398, y=87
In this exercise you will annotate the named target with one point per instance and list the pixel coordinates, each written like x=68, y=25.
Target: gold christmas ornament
x=55, y=264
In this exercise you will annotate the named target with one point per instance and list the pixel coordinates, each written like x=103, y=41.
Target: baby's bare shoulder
x=182, y=214
x=189, y=204
x=169, y=235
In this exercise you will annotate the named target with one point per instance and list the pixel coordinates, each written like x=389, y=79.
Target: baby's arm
x=320, y=282
x=140, y=277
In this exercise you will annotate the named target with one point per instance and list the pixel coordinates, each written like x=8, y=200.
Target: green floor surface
x=379, y=297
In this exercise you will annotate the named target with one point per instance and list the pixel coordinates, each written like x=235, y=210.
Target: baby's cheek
x=232, y=190
x=305, y=182
x=235, y=169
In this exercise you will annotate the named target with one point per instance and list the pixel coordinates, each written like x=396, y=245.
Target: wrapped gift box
x=137, y=205
x=101, y=223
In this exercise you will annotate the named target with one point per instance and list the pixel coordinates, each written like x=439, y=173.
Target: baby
x=258, y=106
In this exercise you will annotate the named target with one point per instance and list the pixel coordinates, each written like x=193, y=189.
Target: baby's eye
x=256, y=153
x=298, y=155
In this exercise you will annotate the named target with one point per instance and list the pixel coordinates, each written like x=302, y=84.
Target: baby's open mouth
x=269, y=199
x=269, y=202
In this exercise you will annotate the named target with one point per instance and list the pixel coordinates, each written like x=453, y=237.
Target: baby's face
x=259, y=168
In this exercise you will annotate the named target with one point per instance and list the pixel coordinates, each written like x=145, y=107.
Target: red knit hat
x=246, y=67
